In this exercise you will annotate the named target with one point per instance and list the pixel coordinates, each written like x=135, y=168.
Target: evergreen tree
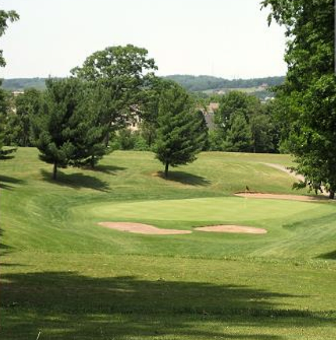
x=67, y=133
x=178, y=136
x=239, y=136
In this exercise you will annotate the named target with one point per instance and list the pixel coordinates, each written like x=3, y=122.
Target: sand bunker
x=139, y=228
x=232, y=229
x=279, y=197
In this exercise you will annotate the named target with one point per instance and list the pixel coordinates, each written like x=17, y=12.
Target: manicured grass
x=68, y=278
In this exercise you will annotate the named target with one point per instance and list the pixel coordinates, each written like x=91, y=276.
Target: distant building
x=16, y=93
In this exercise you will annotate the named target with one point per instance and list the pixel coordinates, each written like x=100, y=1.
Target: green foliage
x=149, y=108
x=239, y=136
x=68, y=132
x=202, y=129
x=126, y=139
x=203, y=83
x=180, y=135
x=244, y=124
x=27, y=106
x=120, y=73
x=57, y=127
x=6, y=16
x=5, y=152
x=309, y=90
x=261, y=133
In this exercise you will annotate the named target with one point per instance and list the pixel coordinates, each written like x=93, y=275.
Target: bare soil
x=237, y=229
x=139, y=228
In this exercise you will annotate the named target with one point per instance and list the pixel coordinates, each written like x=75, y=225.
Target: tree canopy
x=5, y=17
x=310, y=87
x=179, y=135
x=244, y=125
x=66, y=131
x=120, y=73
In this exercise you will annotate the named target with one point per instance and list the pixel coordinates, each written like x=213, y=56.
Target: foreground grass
x=66, y=277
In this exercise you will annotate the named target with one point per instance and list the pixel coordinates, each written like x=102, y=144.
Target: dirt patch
x=237, y=229
x=139, y=228
x=279, y=197
x=286, y=170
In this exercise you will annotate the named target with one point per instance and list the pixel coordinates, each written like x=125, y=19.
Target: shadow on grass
x=108, y=169
x=328, y=256
x=76, y=181
x=68, y=305
x=185, y=178
x=5, y=182
x=4, y=249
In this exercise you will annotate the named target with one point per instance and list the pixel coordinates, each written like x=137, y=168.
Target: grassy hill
x=66, y=277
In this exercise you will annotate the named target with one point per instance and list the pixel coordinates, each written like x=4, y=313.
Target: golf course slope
x=64, y=275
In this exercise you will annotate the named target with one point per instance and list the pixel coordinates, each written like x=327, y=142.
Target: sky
x=223, y=38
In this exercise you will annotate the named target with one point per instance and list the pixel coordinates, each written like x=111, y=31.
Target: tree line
x=77, y=120
x=203, y=83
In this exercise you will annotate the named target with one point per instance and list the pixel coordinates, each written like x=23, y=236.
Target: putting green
x=229, y=209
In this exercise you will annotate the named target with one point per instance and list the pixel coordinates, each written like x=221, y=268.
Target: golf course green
x=64, y=276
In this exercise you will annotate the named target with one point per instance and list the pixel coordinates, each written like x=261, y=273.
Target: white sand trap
x=279, y=197
x=139, y=228
x=238, y=229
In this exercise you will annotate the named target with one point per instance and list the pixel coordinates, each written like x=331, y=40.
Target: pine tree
x=179, y=137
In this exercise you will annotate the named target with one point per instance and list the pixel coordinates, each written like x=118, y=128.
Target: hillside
x=19, y=84
x=207, y=84
x=66, y=277
x=63, y=276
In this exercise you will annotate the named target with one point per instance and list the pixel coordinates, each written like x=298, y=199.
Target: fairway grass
x=66, y=277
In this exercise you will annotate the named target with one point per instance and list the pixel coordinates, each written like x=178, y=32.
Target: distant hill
x=207, y=83
x=19, y=84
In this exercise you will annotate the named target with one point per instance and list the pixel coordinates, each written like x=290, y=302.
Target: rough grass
x=66, y=277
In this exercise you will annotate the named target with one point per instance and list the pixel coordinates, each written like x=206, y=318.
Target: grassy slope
x=71, y=279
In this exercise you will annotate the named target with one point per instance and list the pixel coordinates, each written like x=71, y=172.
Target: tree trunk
x=331, y=194
x=92, y=162
x=55, y=171
x=166, y=169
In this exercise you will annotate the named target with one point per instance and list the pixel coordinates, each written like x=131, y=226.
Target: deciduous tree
x=310, y=86
x=5, y=17
x=120, y=73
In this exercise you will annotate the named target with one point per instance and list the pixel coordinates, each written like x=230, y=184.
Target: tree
x=27, y=105
x=238, y=136
x=178, y=136
x=149, y=108
x=261, y=133
x=120, y=73
x=66, y=133
x=310, y=87
x=244, y=124
x=10, y=16
x=236, y=102
x=5, y=153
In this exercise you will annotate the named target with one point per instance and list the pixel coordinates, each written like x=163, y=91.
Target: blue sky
x=225, y=38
